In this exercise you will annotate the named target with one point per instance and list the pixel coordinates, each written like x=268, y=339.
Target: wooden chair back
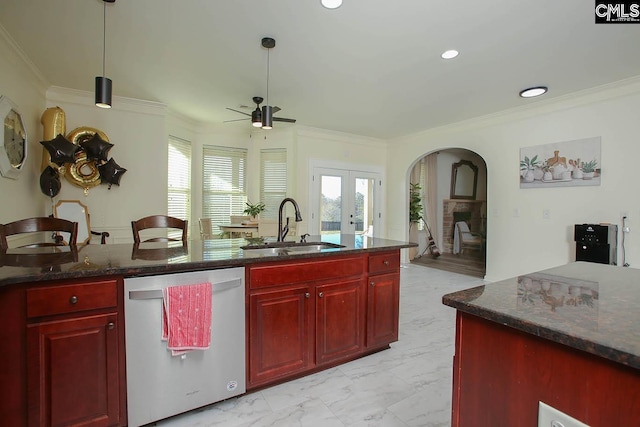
x=159, y=221
x=40, y=224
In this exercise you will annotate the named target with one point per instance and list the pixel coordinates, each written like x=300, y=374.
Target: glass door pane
x=331, y=212
x=363, y=214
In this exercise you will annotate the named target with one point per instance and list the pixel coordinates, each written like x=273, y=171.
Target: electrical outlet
x=516, y=213
x=549, y=416
x=546, y=214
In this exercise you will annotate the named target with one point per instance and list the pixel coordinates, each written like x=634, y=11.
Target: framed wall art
x=561, y=164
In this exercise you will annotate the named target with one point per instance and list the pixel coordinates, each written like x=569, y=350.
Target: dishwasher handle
x=157, y=293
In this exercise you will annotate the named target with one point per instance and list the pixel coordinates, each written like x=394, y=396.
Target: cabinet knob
x=111, y=325
x=385, y=262
x=372, y=283
x=321, y=294
x=73, y=299
x=307, y=295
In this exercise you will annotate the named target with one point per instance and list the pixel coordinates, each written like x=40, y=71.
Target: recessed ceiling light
x=450, y=54
x=331, y=4
x=534, y=91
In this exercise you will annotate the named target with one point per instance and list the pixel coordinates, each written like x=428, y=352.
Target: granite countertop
x=40, y=264
x=587, y=306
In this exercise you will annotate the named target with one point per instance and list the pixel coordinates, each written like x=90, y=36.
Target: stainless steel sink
x=289, y=248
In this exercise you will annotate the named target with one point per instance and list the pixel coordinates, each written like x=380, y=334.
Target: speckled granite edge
x=461, y=300
x=120, y=259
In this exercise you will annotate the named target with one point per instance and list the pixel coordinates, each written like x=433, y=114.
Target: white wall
x=22, y=198
x=138, y=131
x=525, y=243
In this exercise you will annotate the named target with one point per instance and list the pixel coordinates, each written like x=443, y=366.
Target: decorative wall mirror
x=73, y=210
x=13, y=142
x=464, y=180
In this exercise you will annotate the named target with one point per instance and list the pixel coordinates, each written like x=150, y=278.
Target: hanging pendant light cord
x=268, y=52
x=104, y=35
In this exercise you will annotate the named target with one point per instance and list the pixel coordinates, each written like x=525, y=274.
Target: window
x=224, y=191
x=179, y=178
x=273, y=180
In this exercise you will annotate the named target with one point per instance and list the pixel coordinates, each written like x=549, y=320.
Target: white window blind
x=273, y=180
x=224, y=183
x=179, y=179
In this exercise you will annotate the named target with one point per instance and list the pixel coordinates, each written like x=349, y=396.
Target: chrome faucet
x=282, y=232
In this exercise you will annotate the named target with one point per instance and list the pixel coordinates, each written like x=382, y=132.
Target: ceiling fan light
x=533, y=91
x=331, y=4
x=267, y=117
x=256, y=118
x=103, y=92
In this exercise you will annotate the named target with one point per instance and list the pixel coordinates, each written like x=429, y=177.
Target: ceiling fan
x=258, y=114
x=263, y=118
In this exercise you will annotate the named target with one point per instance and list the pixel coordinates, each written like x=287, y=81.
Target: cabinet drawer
x=61, y=299
x=384, y=262
x=261, y=276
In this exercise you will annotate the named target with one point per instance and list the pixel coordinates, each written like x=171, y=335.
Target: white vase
x=577, y=174
x=547, y=176
x=538, y=174
x=587, y=175
x=528, y=176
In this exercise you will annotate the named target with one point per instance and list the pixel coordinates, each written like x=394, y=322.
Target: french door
x=345, y=201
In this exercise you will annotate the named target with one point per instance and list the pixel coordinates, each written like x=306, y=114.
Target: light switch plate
x=549, y=416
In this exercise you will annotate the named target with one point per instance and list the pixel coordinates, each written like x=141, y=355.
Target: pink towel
x=186, y=317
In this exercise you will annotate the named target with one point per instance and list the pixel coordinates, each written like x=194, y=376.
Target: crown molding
x=120, y=103
x=336, y=136
x=601, y=93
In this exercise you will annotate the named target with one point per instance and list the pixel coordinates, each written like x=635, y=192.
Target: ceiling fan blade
x=238, y=111
x=282, y=119
x=236, y=120
x=276, y=109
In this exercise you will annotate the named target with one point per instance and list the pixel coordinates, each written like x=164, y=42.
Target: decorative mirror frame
x=9, y=113
x=73, y=210
x=456, y=192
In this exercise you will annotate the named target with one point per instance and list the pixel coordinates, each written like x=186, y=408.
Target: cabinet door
x=383, y=309
x=73, y=372
x=280, y=333
x=340, y=313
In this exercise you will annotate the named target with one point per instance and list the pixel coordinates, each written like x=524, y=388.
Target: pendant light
x=267, y=110
x=256, y=118
x=103, y=84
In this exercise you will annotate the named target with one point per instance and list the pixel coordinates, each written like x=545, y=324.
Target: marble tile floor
x=408, y=385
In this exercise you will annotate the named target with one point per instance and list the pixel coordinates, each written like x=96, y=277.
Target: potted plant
x=415, y=204
x=589, y=168
x=527, y=167
x=253, y=210
x=546, y=172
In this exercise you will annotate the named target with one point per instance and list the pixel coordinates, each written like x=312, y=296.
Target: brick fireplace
x=454, y=210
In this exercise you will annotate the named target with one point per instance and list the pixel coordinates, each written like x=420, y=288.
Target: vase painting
x=561, y=164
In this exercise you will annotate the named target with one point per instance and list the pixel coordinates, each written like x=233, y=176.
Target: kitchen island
x=567, y=336
x=64, y=337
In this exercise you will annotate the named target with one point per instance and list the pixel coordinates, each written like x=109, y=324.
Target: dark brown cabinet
x=315, y=313
x=303, y=315
x=75, y=355
x=500, y=374
x=280, y=333
x=383, y=299
x=340, y=317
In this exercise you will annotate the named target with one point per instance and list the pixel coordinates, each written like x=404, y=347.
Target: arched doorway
x=453, y=185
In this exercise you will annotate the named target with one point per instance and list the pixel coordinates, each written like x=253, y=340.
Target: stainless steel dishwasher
x=160, y=385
